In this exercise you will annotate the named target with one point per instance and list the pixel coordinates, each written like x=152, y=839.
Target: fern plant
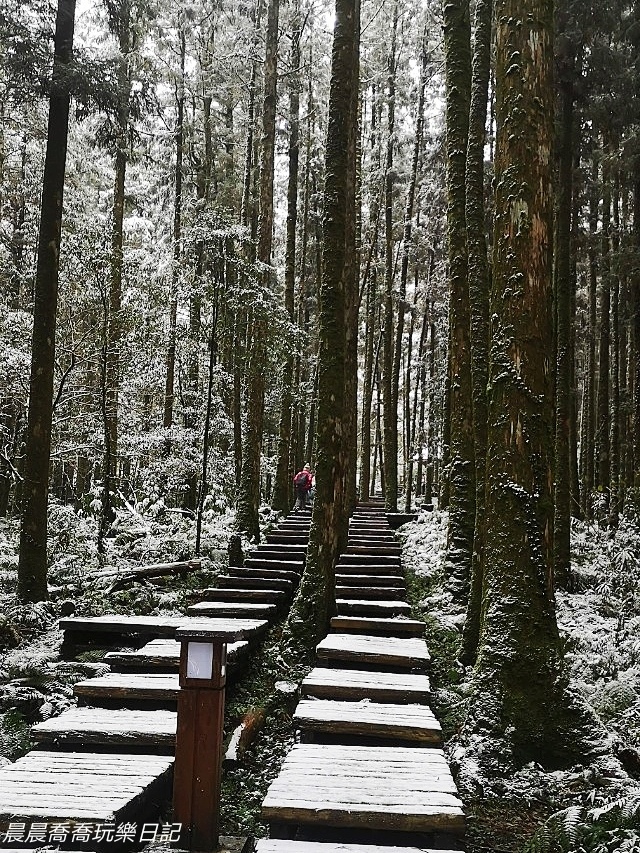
x=611, y=828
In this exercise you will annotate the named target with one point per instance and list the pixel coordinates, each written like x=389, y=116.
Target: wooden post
x=196, y=785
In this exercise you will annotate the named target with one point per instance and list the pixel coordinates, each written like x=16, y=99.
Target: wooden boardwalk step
x=232, y=608
x=249, y=571
x=108, y=727
x=406, y=723
x=370, y=592
x=165, y=655
x=155, y=687
x=370, y=550
x=369, y=568
x=364, y=607
x=352, y=684
x=399, y=788
x=237, y=593
x=279, y=552
x=276, y=845
x=82, y=787
x=276, y=564
x=405, y=652
x=255, y=582
x=398, y=627
x=154, y=626
x=354, y=579
x=287, y=538
x=349, y=558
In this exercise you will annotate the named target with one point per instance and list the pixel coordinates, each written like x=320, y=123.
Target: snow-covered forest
x=396, y=241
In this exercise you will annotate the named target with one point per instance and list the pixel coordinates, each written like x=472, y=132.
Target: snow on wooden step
x=402, y=687
x=399, y=788
x=414, y=723
x=119, y=727
x=349, y=558
x=121, y=685
x=232, y=608
x=370, y=580
x=159, y=626
x=276, y=845
x=399, y=626
x=165, y=654
x=81, y=787
x=364, y=607
x=238, y=593
x=371, y=568
x=234, y=581
x=369, y=550
x=267, y=569
x=408, y=652
x=370, y=592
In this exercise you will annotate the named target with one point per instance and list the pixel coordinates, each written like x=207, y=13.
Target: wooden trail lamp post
x=196, y=785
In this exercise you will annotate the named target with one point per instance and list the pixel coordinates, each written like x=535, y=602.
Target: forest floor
x=593, y=807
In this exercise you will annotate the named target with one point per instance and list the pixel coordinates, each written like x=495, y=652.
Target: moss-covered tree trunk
x=32, y=561
x=390, y=417
x=636, y=338
x=315, y=600
x=563, y=285
x=249, y=490
x=478, y=301
x=457, y=46
x=603, y=459
x=518, y=687
x=282, y=486
x=589, y=406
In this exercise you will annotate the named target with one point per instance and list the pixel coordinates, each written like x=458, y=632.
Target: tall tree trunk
x=169, y=391
x=32, y=561
x=315, y=599
x=563, y=285
x=636, y=337
x=457, y=36
x=614, y=415
x=390, y=420
x=518, y=684
x=249, y=494
x=282, y=490
x=478, y=303
x=603, y=480
x=589, y=405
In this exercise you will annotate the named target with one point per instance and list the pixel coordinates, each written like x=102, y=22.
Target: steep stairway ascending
x=128, y=714
x=369, y=766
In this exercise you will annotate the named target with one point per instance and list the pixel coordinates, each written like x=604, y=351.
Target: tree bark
x=457, y=36
x=315, y=600
x=249, y=496
x=518, y=685
x=32, y=562
x=478, y=267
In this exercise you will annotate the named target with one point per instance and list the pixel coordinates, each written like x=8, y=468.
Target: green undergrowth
x=443, y=643
x=255, y=701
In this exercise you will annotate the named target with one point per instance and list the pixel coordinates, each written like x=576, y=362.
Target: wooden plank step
x=370, y=592
x=157, y=687
x=370, y=550
x=353, y=684
x=369, y=569
x=405, y=652
x=237, y=593
x=364, y=607
x=82, y=787
x=232, y=608
x=279, y=551
x=156, y=626
x=292, y=567
x=349, y=558
x=277, y=845
x=108, y=727
x=165, y=655
x=398, y=627
x=255, y=582
x=255, y=572
x=410, y=723
x=399, y=788
x=287, y=538
x=355, y=580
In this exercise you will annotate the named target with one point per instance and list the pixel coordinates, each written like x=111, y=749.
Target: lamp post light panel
x=200, y=658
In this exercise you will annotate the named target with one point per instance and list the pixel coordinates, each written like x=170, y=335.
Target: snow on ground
x=600, y=633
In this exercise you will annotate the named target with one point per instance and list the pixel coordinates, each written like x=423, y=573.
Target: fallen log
x=153, y=571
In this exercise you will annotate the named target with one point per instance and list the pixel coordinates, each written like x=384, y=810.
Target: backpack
x=301, y=480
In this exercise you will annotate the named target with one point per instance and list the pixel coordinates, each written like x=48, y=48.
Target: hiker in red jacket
x=302, y=484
